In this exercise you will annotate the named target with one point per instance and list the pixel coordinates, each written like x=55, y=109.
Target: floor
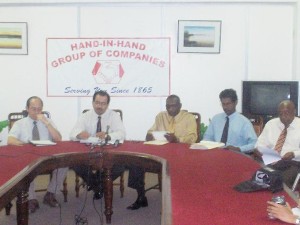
x=85, y=211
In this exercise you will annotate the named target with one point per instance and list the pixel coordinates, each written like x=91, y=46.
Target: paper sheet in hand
x=204, y=145
x=269, y=155
x=42, y=142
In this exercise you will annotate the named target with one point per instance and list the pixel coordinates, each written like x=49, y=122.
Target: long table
x=197, y=186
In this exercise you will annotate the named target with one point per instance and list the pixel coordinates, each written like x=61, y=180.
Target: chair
x=121, y=183
x=198, y=122
x=12, y=118
x=257, y=122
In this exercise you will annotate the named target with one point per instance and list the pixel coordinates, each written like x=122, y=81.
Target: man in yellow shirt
x=179, y=124
x=180, y=127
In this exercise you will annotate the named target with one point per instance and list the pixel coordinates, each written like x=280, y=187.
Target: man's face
x=286, y=114
x=35, y=108
x=228, y=105
x=173, y=106
x=100, y=104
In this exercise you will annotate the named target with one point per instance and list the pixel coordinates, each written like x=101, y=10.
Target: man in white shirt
x=290, y=147
x=109, y=128
x=22, y=132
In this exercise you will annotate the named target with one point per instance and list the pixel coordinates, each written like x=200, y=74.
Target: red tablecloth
x=201, y=181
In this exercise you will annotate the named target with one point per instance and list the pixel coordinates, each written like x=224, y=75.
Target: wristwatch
x=297, y=221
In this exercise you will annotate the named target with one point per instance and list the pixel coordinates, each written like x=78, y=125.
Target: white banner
x=120, y=66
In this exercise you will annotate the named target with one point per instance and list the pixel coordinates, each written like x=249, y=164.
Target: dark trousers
x=289, y=170
x=93, y=178
x=135, y=179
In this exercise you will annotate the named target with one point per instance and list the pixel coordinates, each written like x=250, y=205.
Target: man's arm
x=191, y=131
x=14, y=141
x=54, y=133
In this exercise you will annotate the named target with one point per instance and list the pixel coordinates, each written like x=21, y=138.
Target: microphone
x=116, y=143
x=106, y=135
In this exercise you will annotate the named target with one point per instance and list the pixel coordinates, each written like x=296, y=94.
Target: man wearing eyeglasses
x=105, y=124
x=22, y=132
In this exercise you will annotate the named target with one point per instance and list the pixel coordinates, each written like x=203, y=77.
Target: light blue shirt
x=241, y=133
x=22, y=130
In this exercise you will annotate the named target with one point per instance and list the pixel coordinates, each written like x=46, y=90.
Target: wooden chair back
x=14, y=116
x=257, y=122
x=198, y=121
x=119, y=111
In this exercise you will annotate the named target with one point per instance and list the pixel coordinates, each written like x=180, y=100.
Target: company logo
x=108, y=72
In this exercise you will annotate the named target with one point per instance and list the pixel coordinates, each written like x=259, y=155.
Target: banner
x=120, y=66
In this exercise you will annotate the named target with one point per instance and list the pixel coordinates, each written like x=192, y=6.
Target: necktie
x=281, y=140
x=98, y=124
x=35, y=132
x=225, y=131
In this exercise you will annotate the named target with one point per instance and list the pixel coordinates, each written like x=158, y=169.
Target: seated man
x=37, y=127
x=180, y=126
x=230, y=127
x=282, y=135
x=105, y=124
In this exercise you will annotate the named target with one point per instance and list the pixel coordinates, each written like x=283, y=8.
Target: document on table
x=155, y=142
x=42, y=142
x=269, y=155
x=204, y=145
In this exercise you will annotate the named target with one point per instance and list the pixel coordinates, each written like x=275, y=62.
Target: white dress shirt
x=110, y=122
x=273, y=129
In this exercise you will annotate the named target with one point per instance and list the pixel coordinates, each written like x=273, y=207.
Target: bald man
x=290, y=150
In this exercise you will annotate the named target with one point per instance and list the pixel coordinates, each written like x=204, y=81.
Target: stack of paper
x=155, y=142
x=203, y=145
x=42, y=142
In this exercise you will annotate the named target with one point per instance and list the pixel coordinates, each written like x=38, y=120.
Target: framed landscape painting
x=199, y=36
x=13, y=38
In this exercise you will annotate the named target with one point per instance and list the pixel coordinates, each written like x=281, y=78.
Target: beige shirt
x=183, y=125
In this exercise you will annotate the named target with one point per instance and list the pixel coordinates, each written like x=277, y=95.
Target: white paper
x=204, y=145
x=91, y=140
x=155, y=142
x=269, y=155
x=97, y=141
x=159, y=135
x=42, y=142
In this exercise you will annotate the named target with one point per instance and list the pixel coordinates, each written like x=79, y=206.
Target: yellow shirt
x=184, y=126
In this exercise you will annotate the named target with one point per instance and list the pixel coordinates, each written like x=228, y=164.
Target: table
x=197, y=185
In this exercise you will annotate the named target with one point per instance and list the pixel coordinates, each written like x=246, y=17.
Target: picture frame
x=13, y=38
x=199, y=36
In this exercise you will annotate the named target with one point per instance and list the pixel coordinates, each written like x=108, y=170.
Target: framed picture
x=13, y=38
x=200, y=36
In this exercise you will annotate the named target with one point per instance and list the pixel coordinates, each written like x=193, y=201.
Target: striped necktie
x=281, y=140
x=35, y=132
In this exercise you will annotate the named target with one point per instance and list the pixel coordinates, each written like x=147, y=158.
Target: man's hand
x=281, y=212
x=289, y=156
x=101, y=135
x=171, y=138
x=41, y=117
x=257, y=154
x=149, y=137
x=230, y=147
x=83, y=135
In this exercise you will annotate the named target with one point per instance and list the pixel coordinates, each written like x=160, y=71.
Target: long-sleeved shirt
x=241, y=133
x=185, y=127
x=22, y=129
x=110, y=121
x=273, y=129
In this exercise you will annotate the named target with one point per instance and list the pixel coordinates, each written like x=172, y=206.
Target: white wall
x=259, y=42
